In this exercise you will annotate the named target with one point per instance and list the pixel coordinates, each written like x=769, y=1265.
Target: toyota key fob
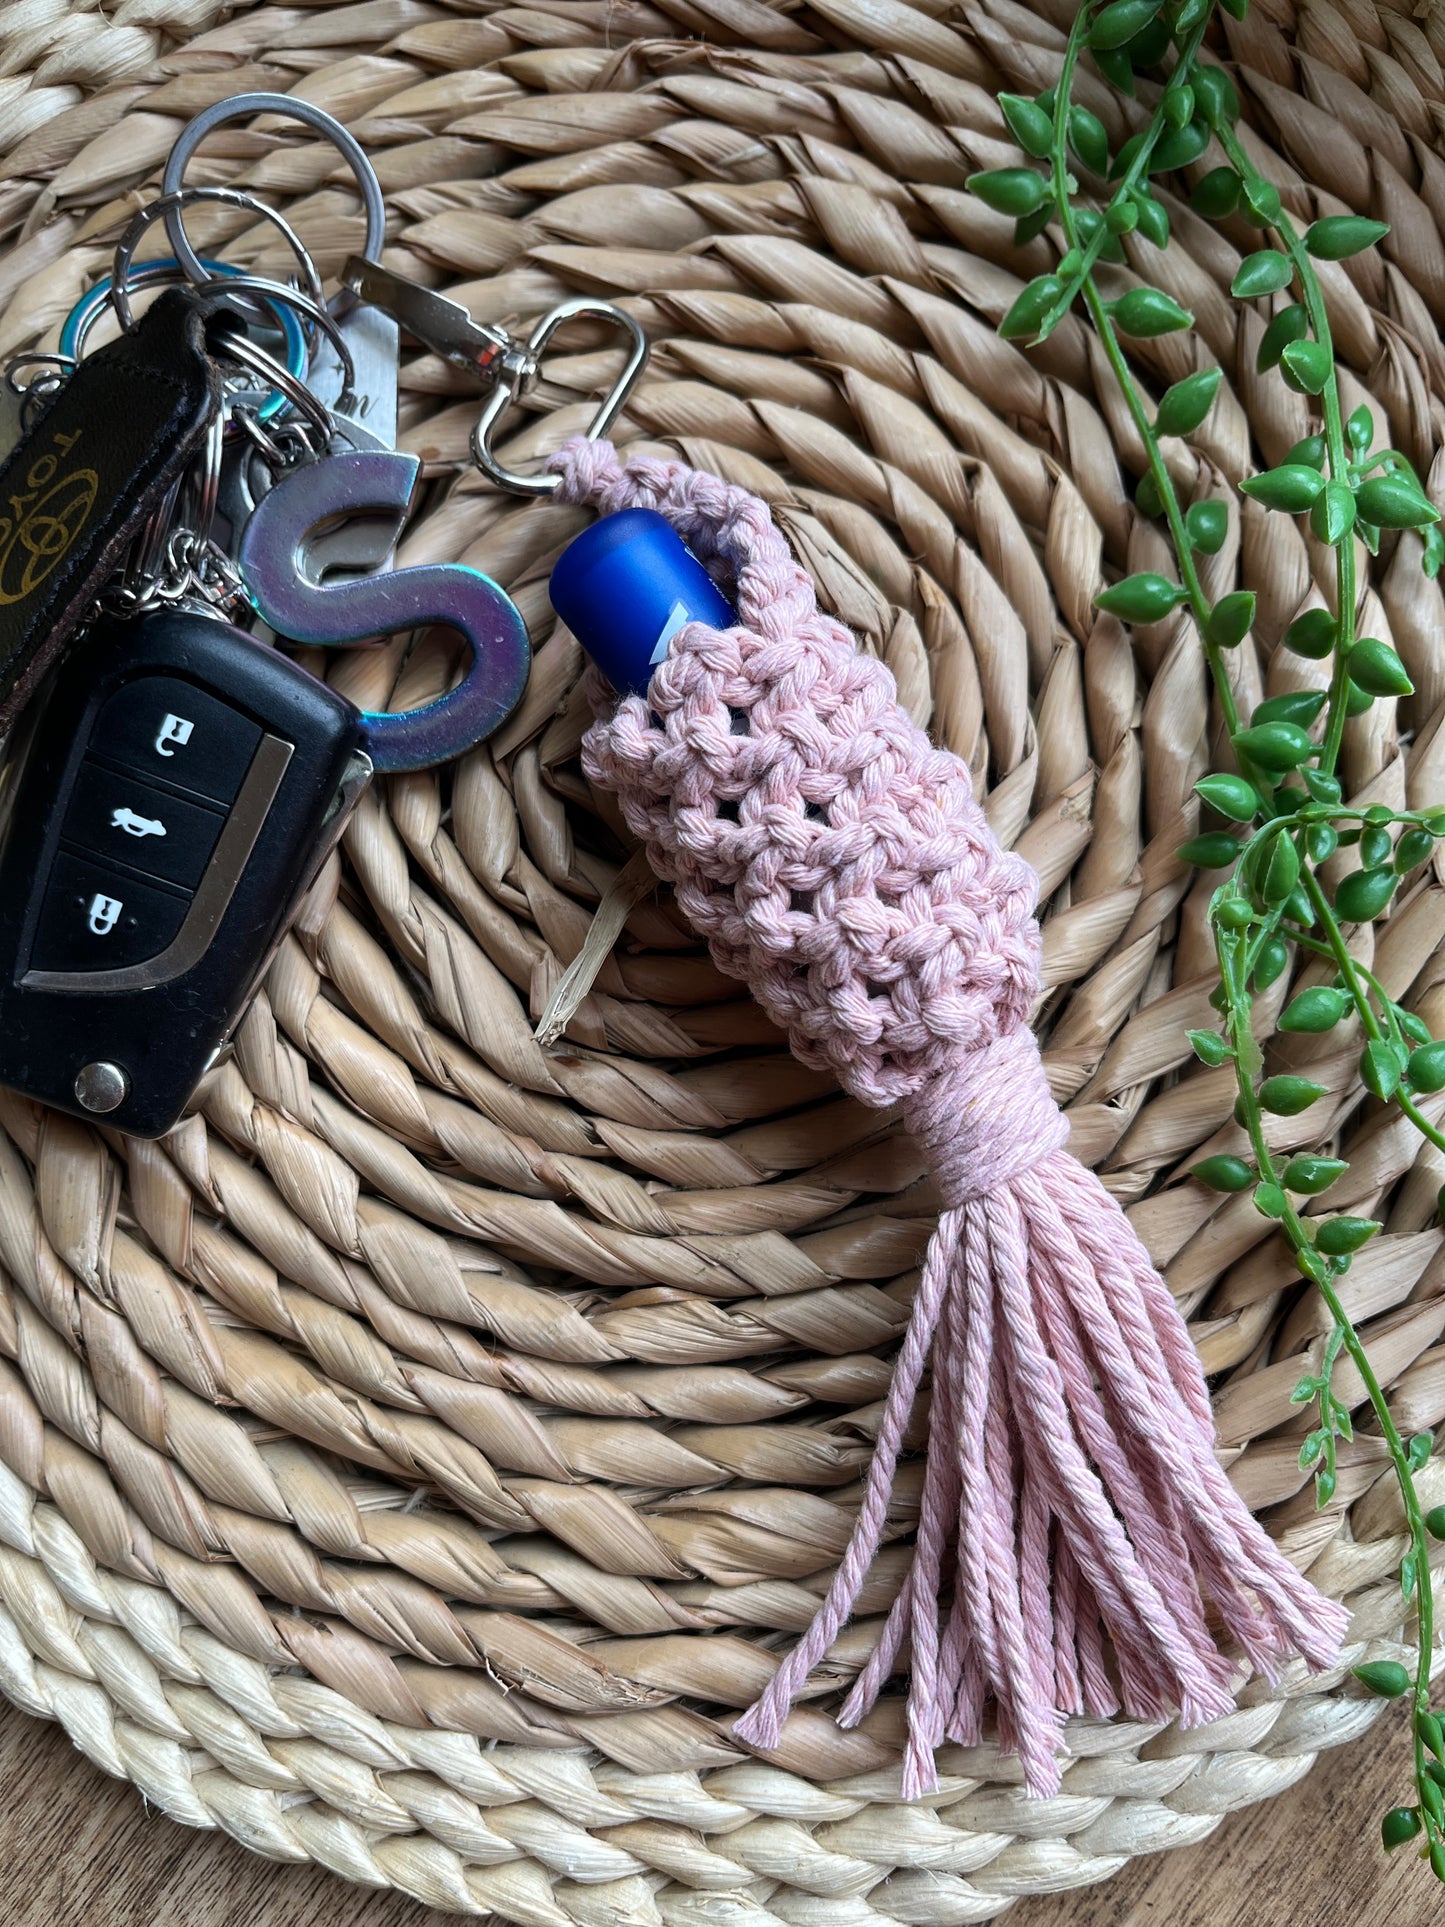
x=174, y=796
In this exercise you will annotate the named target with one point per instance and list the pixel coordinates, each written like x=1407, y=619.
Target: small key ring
x=298, y=305
x=251, y=355
x=241, y=107
x=80, y=322
x=226, y=197
x=518, y=371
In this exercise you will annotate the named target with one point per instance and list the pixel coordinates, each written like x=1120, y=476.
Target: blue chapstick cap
x=626, y=586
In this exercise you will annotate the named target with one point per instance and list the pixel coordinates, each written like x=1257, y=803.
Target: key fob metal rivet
x=101, y=1087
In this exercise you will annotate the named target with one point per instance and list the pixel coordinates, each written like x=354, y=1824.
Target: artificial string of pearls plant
x=1283, y=804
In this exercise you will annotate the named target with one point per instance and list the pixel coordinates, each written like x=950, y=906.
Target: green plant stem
x=1059, y=168
x=1318, y=1271
x=1337, y=449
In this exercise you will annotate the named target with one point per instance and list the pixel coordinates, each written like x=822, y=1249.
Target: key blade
x=373, y=338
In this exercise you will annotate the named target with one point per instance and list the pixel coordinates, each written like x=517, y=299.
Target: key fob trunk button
x=122, y=820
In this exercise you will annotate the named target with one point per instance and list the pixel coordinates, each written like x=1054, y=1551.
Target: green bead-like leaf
x=1224, y=1173
x=1321, y=841
x=1338, y=236
x=1380, y=1075
x=1290, y=324
x=1271, y=963
x=1117, y=68
x=1357, y=700
x=1276, y=747
x=1028, y=311
x=1209, y=1047
x=1293, y=487
x=1147, y=498
x=1425, y=1072
x=1310, y=363
x=1180, y=147
x=1213, y=851
x=1207, y=524
x=1399, y=1825
x=1312, y=451
x=1394, y=502
x=1030, y=126
x=1385, y=1677
x=1262, y=200
x=1294, y=706
x=1214, y=91
x=1363, y=894
x=1360, y=429
x=1009, y=190
x=1141, y=598
x=1314, y=1010
x=1231, y=619
x=1281, y=871
x=1435, y=1522
x=1417, y=1453
x=1375, y=666
x=1029, y=227
x=1313, y=634
x=1149, y=45
x=1120, y=21
x=1288, y=1096
x=1413, y=1027
x=1375, y=847
x=1413, y=849
x=1216, y=194
x=1230, y=795
x=1270, y=1201
x=1146, y=312
x=1333, y=515
x=1311, y=1175
x=1186, y=404
x=1089, y=140
x=1263, y=273
x=1337, y=1236
x=1323, y=787
x=1233, y=914
x=1031, y=306
x=1153, y=220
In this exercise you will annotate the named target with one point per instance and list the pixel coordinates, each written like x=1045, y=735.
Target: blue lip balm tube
x=626, y=586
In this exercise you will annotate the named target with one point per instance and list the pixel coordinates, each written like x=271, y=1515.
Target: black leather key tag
x=79, y=486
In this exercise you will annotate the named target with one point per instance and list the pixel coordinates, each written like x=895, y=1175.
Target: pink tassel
x=839, y=864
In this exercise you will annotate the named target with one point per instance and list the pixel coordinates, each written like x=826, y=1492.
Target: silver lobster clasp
x=508, y=366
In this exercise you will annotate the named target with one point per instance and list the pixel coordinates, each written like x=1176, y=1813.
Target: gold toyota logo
x=44, y=520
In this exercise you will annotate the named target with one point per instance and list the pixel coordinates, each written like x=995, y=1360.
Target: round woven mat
x=415, y=1461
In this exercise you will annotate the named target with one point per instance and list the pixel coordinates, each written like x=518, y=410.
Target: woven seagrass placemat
x=414, y=1462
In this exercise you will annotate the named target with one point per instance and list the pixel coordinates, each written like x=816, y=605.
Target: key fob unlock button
x=122, y=820
x=94, y=918
x=167, y=729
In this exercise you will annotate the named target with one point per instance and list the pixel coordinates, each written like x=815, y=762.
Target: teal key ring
x=87, y=311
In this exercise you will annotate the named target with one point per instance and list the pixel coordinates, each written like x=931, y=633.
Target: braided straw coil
x=417, y=1460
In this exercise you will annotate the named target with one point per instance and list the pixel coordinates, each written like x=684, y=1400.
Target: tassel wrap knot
x=1077, y=1542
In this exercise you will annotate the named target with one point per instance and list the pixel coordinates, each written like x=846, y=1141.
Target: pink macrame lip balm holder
x=834, y=860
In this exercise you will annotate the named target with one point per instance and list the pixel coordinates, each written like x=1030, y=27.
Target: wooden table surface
x=79, y=1850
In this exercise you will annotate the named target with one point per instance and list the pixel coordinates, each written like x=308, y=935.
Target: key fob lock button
x=95, y=918
x=167, y=729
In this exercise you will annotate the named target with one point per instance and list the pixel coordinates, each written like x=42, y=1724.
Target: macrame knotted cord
x=838, y=863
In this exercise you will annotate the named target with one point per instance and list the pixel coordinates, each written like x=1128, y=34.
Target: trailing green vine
x=1280, y=813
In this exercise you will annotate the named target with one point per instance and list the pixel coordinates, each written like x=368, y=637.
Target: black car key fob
x=173, y=797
